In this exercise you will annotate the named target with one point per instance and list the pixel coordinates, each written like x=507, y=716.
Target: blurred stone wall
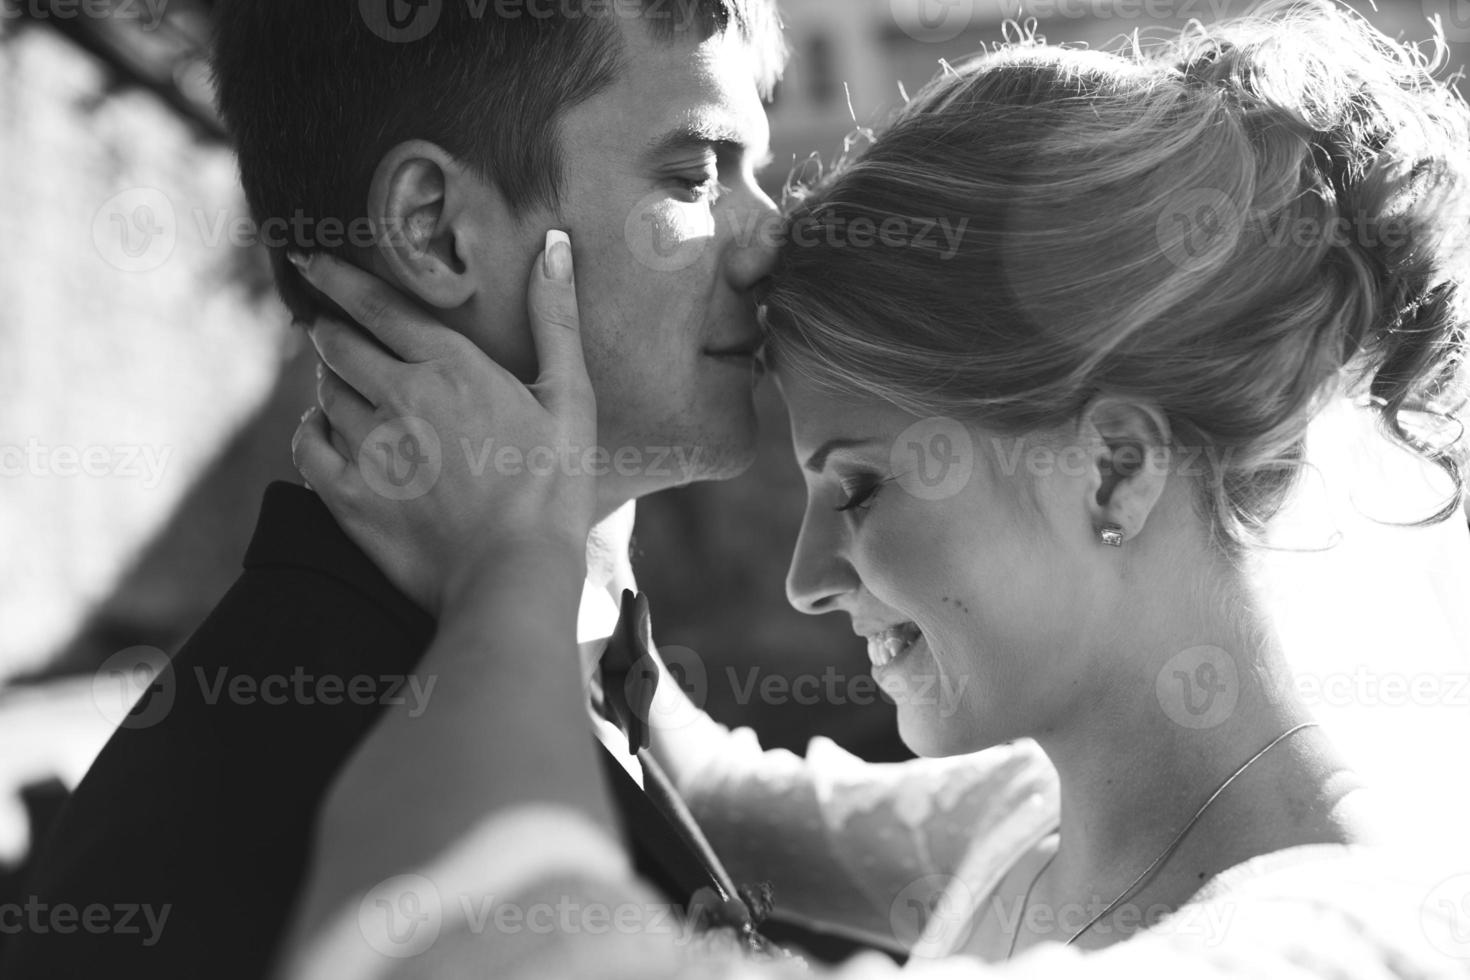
x=132, y=344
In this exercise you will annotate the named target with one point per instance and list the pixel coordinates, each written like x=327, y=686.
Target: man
x=434, y=144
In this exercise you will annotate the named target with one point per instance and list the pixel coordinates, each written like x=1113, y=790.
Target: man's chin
x=724, y=460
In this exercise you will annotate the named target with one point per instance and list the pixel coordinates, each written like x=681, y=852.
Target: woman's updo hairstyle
x=1237, y=225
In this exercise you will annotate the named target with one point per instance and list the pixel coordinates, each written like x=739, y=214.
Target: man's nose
x=758, y=233
x=819, y=574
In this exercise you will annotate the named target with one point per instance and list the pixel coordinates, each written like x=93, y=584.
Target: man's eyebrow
x=817, y=461
x=699, y=136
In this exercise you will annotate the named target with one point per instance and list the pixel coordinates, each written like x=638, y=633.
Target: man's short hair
x=316, y=92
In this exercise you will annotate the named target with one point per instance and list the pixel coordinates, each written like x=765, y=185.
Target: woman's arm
x=505, y=725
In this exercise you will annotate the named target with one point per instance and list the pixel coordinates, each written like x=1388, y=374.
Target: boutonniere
x=629, y=674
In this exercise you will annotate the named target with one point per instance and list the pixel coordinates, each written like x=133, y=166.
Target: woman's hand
x=409, y=450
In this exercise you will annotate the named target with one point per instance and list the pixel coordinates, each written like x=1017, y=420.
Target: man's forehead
x=687, y=91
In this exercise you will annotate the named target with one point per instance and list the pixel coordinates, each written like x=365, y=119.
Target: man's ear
x=425, y=207
x=1129, y=460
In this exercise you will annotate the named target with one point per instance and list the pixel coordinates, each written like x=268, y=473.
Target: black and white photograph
x=734, y=489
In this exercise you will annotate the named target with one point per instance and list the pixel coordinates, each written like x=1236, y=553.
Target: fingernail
x=558, y=261
x=300, y=260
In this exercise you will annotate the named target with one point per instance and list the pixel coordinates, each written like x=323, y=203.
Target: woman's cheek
x=903, y=552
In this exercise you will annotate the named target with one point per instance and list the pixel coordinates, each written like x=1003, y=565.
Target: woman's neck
x=1188, y=707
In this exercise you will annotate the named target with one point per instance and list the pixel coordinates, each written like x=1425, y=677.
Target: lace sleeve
x=871, y=851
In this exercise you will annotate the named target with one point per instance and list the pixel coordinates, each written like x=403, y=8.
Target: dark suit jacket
x=201, y=806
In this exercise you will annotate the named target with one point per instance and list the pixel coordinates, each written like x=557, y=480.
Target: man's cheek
x=665, y=236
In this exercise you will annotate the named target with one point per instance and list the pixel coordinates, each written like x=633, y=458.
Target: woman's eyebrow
x=817, y=461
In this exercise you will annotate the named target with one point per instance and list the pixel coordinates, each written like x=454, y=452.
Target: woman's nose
x=819, y=574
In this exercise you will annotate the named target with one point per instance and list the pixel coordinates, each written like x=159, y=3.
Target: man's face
x=671, y=234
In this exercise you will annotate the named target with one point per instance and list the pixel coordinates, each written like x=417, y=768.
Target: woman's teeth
x=892, y=643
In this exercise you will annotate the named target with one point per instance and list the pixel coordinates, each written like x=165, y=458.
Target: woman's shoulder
x=1405, y=909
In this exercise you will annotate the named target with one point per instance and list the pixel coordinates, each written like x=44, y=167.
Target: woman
x=1039, y=470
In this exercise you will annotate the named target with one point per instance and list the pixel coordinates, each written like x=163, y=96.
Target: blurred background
x=151, y=381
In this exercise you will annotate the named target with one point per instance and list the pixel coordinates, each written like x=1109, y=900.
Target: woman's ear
x=1129, y=460
x=425, y=207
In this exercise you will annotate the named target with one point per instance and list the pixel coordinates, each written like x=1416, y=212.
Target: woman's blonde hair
x=1235, y=225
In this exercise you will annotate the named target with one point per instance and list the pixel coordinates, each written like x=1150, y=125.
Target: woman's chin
x=934, y=718
x=933, y=738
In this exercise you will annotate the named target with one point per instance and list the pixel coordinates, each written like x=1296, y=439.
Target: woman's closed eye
x=861, y=492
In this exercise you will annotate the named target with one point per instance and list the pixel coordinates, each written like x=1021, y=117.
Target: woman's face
x=955, y=558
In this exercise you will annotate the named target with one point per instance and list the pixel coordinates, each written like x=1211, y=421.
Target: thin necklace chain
x=1158, y=861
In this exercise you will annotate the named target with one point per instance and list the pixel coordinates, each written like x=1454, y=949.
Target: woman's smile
x=889, y=644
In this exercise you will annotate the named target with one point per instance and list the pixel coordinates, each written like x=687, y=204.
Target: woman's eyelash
x=863, y=497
